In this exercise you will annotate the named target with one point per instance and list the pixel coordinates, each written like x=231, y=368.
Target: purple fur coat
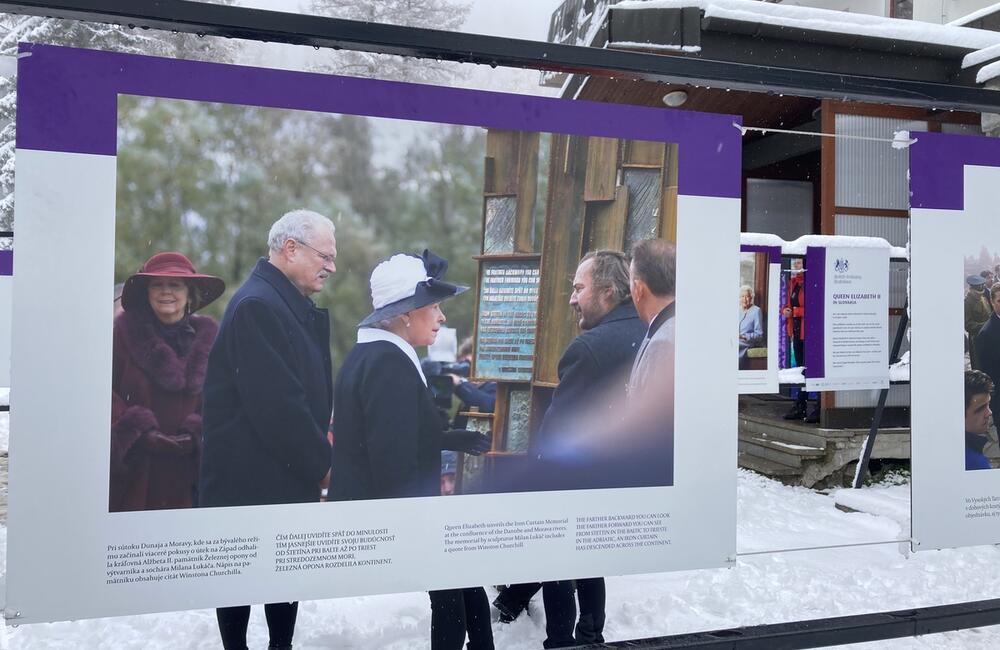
x=155, y=391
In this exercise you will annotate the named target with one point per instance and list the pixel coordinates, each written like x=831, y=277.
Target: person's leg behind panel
x=280, y=624
x=233, y=623
x=447, y=619
x=477, y=619
x=560, y=613
x=592, y=595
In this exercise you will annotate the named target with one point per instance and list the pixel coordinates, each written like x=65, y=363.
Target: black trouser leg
x=477, y=618
x=233, y=623
x=280, y=623
x=592, y=596
x=560, y=613
x=447, y=619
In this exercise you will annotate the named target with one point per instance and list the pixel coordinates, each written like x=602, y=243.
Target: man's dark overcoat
x=987, y=350
x=386, y=430
x=593, y=371
x=267, y=399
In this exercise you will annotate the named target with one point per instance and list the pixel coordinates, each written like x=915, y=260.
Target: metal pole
x=866, y=449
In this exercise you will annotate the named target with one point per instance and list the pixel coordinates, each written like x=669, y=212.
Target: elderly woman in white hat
x=387, y=432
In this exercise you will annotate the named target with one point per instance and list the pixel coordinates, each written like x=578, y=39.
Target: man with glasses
x=268, y=394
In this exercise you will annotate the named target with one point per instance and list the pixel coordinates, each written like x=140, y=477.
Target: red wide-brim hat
x=171, y=265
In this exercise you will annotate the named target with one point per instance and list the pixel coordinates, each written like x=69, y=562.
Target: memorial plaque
x=505, y=336
x=643, y=204
x=501, y=211
x=518, y=412
x=474, y=467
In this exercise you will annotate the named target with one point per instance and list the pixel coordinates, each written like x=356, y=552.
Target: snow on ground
x=762, y=587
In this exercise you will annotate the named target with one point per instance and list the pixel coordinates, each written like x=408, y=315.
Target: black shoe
x=813, y=417
x=797, y=413
x=506, y=614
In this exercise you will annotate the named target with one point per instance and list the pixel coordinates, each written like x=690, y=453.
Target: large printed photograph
x=981, y=317
x=329, y=307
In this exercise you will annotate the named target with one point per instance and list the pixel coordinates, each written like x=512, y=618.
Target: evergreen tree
x=447, y=15
x=16, y=29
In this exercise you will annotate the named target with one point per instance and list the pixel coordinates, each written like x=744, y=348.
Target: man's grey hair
x=609, y=273
x=655, y=263
x=300, y=225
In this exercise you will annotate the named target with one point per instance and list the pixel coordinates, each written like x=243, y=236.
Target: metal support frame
x=303, y=29
x=255, y=24
x=837, y=630
x=866, y=454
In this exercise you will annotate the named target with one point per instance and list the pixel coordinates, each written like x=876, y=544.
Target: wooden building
x=795, y=183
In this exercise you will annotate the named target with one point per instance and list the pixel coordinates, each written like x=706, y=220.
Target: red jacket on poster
x=156, y=411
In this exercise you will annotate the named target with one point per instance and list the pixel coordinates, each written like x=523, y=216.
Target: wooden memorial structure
x=582, y=194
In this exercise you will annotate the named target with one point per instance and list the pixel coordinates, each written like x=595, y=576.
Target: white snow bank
x=791, y=375
x=763, y=588
x=760, y=239
x=798, y=247
x=900, y=371
x=4, y=397
x=828, y=20
x=892, y=501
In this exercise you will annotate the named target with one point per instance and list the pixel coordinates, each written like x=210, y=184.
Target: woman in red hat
x=158, y=369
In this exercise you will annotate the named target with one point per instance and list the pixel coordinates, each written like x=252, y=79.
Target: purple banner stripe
x=937, y=162
x=815, y=286
x=773, y=252
x=7, y=262
x=68, y=100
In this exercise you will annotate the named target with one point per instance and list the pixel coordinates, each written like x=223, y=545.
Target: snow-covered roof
x=976, y=15
x=981, y=56
x=798, y=247
x=827, y=20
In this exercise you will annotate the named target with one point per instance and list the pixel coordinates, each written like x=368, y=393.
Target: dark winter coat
x=974, y=456
x=987, y=351
x=593, y=368
x=155, y=390
x=267, y=397
x=795, y=325
x=386, y=429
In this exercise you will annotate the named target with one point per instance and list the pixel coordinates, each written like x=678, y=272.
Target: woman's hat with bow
x=406, y=282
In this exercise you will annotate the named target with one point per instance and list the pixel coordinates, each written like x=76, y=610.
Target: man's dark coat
x=987, y=347
x=593, y=370
x=268, y=397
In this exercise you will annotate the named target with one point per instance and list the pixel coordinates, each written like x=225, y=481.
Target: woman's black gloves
x=469, y=442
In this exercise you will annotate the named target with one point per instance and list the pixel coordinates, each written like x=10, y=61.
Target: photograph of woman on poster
x=159, y=357
x=388, y=433
x=753, y=311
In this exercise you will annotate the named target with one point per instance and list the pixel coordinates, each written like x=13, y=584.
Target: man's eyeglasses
x=327, y=259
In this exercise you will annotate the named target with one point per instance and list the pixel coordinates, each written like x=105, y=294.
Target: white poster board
x=847, y=318
x=954, y=231
x=6, y=304
x=69, y=558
